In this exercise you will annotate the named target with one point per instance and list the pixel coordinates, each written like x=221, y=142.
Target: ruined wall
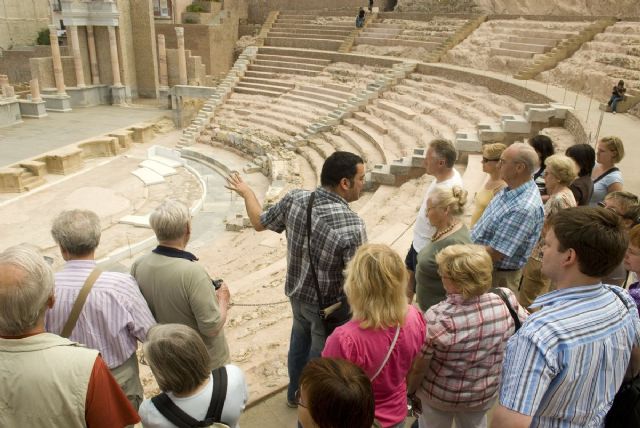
x=213, y=43
x=144, y=49
x=15, y=63
x=259, y=9
x=21, y=20
x=619, y=8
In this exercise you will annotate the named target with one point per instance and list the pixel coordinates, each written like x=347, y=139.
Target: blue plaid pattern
x=336, y=234
x=511, y=224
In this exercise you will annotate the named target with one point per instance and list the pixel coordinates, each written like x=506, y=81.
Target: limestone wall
x=144, y=49
x=259, y=9
x=15, y=63
x=21, y=20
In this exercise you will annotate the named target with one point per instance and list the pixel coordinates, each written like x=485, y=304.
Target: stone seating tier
x=17, y=180
x=303, y=43
x=363, y=40
x=308, y=35
x=284, y=70
x=525, y=47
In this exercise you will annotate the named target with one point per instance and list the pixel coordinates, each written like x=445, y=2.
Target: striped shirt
x=568, y=360
x=464, y=344
x=336, y=234
x=114, y=317
x=511, y=224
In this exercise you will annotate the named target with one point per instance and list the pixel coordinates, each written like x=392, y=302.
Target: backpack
x=179, y=418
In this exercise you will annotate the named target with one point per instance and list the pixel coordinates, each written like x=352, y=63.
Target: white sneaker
x=613, y=112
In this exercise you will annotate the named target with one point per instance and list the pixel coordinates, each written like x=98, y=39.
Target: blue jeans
x=613, y=102
x=307, y=341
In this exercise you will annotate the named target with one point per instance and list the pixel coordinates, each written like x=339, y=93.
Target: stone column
x=93, y=59
x=115, y=64
x=162, y=60
x=4, y=80
x=77, y=58
x=35, y=90
x=57, y=61
x=182, y=59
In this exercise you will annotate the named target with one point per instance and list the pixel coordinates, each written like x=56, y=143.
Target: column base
x=60, y=103
x=118, y=95
x=34, y=109
x=164, y=96
x=9, y=112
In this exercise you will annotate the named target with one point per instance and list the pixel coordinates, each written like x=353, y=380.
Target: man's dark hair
x=445, y=150
x=595, y=234
x=338, y=166
x=585, y=157
x=338, y=394
x=544, y=146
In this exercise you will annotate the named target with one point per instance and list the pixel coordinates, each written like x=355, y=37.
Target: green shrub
x=195, y=8
x=43, y=37
x=190, y=20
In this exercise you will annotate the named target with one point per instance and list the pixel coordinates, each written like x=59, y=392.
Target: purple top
x=634, y=291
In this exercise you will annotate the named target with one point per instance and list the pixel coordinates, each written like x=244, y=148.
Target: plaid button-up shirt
x=511, y=224
x=464, y=344
x=336, y=234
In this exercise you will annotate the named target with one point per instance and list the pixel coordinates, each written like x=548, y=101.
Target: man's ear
x=570, y=257
x=345, y=183
x=51, y=301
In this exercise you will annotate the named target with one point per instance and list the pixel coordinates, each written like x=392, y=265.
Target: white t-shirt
x=197, y=405
x=423, y=230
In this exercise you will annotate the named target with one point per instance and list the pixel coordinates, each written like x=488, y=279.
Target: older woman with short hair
x=457, y=375
x=560, y=173
x=385, y=332
x=445, y=207
x=632, y=263
x=334, y=393
x=606, y=176
x=180, y=363
x=490, y=160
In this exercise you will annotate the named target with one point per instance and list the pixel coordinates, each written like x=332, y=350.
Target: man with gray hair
x=179, y=290
x=48, y=380
x=114, y=317
x=512, y=222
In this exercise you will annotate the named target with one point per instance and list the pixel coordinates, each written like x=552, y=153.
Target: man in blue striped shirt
x=565, y=365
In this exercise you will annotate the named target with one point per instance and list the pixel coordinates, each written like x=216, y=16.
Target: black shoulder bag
x=604, y=174
x=512, y=311
x=625, y=411
x=179, y=418
x=333, y=315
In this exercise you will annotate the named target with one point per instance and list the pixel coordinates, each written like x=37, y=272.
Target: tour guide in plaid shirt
x=336, y=234
x=511, y=224
x=565, y=365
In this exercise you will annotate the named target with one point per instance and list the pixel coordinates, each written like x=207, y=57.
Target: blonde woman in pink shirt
x=385, y=333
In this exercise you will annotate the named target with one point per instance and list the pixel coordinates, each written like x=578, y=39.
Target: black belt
x=506, y=270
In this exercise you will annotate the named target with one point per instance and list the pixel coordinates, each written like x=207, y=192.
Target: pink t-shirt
x=367, y=348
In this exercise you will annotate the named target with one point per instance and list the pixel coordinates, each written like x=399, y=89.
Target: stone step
x=274, y=82
x=316, y=96
x=427, y=38
x=372, y=135
x=313, y=101
x=307, y=35
x=525, y=47
x=385, y=25
x=401, y=129
x=555, y=35
x=378, y=32
x=511, y=53
x=313, y=27
x=322, y=147
x=303, y=43
x=262, y=86
x=291, y=29
x=314, y=158
x=288, y=64
x=395, y=42
x=534, y=41
x=288, y=15
x=30, y=181
x=356, y=140
x=282, y=70
x=256, y=91
x=260, y=74
x=316, y=61
x=372, y=121
x=341, y=95
x=401, y=111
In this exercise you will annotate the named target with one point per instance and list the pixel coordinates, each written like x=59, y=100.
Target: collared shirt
x=423, y=230
x=114, y=317
x=511, y=224
x=174, y=252
x=464, y=345
x=336, y=234
x=566, y=363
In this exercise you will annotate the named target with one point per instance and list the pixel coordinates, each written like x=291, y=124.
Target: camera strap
x=311, y=267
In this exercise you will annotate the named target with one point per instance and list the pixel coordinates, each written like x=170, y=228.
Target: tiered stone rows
x=509, y=45
x=599, y=64
x=310, y=31
x=404, y=38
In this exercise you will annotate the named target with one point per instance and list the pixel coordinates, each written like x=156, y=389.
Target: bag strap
x=218, y=396
x=604, y=174
x=384, y=363
x=512, y=311
x=316, y=285
x=181, y=419
x=79, y=303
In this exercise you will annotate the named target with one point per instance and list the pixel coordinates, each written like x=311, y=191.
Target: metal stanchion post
x=546, y=91
x=599, y=125
x=575, y=102
x=565, y=95
x=589, y=109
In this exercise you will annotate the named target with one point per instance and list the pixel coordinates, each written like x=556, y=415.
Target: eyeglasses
x=485, y=160
x=298, y=401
